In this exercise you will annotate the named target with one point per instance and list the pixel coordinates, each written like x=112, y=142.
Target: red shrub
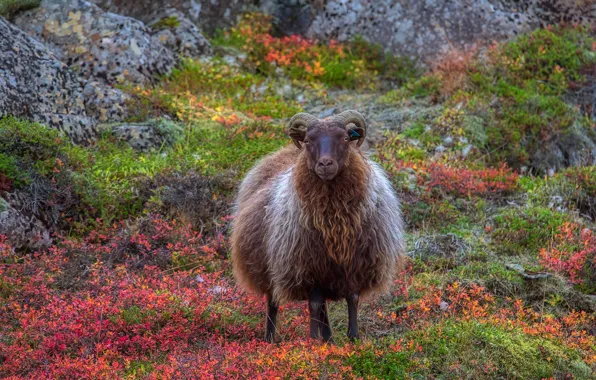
x=573, y=253
x=468, y=182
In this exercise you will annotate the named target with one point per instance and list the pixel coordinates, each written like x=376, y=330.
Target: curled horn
x=301, y=119
x=354, y=117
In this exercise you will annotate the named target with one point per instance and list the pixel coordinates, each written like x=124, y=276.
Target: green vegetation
x=515, y=96
x=525, y=231
x=170, y=22
x=9, y=8
x=454, y=350
x=141, y=237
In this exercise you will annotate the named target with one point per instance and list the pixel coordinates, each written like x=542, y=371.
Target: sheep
x=317, y=221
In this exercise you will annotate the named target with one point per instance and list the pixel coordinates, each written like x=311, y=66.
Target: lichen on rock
x=99, y=45
x=35, y=85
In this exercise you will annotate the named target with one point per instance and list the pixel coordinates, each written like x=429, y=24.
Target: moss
x=139, y=368
x=525, y=231
x=391, y=365
x=170, y=22
x=205, y=89
x=9, y=169
x=470, y=349
x=3, y=205
x=426, y=86
x=9, y=8
x=493, y=275
x=133, y=315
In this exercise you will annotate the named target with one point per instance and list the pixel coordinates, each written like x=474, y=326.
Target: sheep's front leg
x=353, y=316
x=271, y=321
x=325, y=327
x=315, y=307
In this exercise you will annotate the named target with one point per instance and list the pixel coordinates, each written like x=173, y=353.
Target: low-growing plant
x=573, y=253
x=339, y=65
x=525, y=231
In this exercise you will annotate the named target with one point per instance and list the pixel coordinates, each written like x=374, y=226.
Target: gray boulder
x=208, y=15
x=35, y=85
x=98, y=45
x=429, y=29
x=177, y=32
x=23, y=231
x=152, y=134
x=105, y=103
x=422, y=30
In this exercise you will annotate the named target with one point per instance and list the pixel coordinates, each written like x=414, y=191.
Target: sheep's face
x=327, y=145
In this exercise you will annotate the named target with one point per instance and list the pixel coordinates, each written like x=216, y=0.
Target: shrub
x=468, y=182
x=348, y=66
x=525, y=231
x=573, y=253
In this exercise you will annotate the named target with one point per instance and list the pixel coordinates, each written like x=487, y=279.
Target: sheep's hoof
x=329, y=340
x=272, y=339
x=354, y=338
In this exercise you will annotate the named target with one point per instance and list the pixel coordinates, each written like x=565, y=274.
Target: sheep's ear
x=355, y=133
x=297, y=136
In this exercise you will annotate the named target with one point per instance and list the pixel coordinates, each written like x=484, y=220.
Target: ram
x=317, y=221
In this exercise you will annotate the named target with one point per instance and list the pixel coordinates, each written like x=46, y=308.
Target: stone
x=98, y=45
x=208, y=15
x=23, y=230
x=105, y=103
x=36, y=86
x=526, y=274
x=442, y=246
x=152, y=134
x=428, y=30
x=179, y=34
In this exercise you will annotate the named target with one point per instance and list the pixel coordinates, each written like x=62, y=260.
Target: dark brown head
x=327, y=141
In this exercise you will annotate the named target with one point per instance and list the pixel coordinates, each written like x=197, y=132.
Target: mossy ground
x=127, y=293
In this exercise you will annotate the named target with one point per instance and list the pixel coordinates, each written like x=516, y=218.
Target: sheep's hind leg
x=271, y=321
x=353, y=316
x=325, y=327
x=315, y=307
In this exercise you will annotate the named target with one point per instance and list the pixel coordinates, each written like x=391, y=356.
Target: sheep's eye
x=346, y=138
x=306, y=141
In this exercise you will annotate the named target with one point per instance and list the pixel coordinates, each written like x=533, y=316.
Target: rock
x=35, y=85
x=150, y=135
x=99, y=45
x=466, y=150
x=443, y=305
x=209, y=15
x=24, y=231
x=528, y=275
x=421, y=30
x=326, y=113
x=289, y=17
x=218, y=289
x=447, y=246
x=575, y=147
x=180, y=34
x=430, y=29
x=105, y=103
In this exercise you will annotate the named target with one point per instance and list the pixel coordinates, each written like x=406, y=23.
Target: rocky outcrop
x=178, y=33
x=35, y=85
x=209, y=15
x=98, y=45
x=421, y=30
x=429, y=29
x=23, y=231
x=153, y=134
